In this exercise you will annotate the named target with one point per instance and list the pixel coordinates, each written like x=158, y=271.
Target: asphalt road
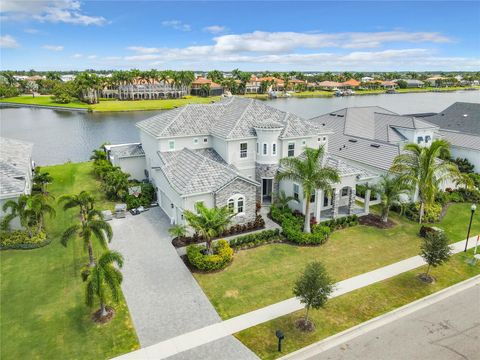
x=447, y=330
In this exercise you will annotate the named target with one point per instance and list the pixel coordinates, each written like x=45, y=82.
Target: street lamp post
x=280, y=336
x=473, y=208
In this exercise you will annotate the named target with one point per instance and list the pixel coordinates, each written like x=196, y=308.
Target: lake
x=61, y=135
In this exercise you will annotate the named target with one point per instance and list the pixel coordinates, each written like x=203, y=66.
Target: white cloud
x=177, y=25
x=215, y=29
x=144, y=50
x=77, y=56
x=92, y=57
x=53, y=47
x=66, y=11
x=7, y=41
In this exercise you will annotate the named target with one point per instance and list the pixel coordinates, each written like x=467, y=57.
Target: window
x=296, y=191
x=205, y=140
x=419, y=139
x=240, y=205
x=171, y=145
x=344, y=191
x=428, y=138
x=258, y=148
x=243, y=150
x=274, y=149
x=312, y=198
x=291, y=149
x=236, y=204
x=195, y=141
x=325, y=200
x=265, y=149
x=324, y=138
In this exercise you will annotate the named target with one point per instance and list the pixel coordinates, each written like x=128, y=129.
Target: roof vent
x=332, y=114
x=323, y=124
x=375, y=145
x=353, y=140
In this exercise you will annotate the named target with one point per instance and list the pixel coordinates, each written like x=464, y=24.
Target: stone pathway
x=163, y=297
x=214, y=332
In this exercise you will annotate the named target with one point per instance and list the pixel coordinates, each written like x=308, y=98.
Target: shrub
x=146, y=197
x=256, y=239
x=432, y=212
x=19, y=239
x=360, y=190
x=221, y=257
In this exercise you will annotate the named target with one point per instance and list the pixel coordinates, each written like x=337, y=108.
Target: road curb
x=372, y=324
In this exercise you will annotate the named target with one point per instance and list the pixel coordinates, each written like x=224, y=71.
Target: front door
x=267, y=185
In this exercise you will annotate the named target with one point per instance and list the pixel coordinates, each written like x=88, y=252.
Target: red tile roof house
x=349, y=84
x=199, y=89
x=329, y=85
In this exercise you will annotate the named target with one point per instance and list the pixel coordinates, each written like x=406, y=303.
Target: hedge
x=259, y=238
x=221, y=257
x=19, y=239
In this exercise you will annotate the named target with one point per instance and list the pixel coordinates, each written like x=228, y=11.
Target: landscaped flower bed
x=20, y=239
x=257, y=224
x=257, y=239
x=221, y=257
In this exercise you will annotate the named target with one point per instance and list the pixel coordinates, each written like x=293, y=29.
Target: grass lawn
x=265, y=275
x=114, y=105
x=43, y=314
x=354, y=308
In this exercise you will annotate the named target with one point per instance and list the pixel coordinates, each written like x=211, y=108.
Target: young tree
x=435, y=251
x=42, y=180
x=282, y=200
x=178, y=231
x=102, y=277
x=421, y=168
x=390, y=189
x=309, y=171
x=31, y=87
x=208, y=222
x=93, y=225
x=313, y=288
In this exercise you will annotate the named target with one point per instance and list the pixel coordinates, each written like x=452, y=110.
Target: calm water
x=60, y=136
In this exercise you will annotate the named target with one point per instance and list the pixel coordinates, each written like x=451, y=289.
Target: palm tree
x=421, y=168
x=102, y=277
x=84, y=201
x=178, y=231
x=282, y=199
x=208, y=222
x=116, y=184
x=42, y=180
x=30, y=209
x=391, y=190
x=92, y=226
x=309, y=171
x=98, y=154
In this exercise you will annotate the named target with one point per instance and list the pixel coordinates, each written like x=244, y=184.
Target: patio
x=342, y=212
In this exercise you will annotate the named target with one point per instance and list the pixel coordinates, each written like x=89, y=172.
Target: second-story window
x=205, y=140
x=265, y=149
x=428, y=138
x=419, y=139
x=291, y=149
x=243, y=150
x=274, y=149
x=171, y=145
x=296, y=191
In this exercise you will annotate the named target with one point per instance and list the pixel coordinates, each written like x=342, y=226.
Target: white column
x=366, y=208
x=318, y=203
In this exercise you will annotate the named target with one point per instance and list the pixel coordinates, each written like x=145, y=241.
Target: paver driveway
x=163, y=297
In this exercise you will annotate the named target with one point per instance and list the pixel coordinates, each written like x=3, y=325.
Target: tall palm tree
x=208, y=222
x=39, y=207
x=391, y=190
x=421, y=168
x=93, y=226
x=309, y=171
x=102, y=277
x=84, y=201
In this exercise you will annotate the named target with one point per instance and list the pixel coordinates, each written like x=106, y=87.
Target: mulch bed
x=103, y=319
x=429, y=279
x=303, y=325
x=376, y=221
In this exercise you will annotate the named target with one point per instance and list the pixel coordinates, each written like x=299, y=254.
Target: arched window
x=236, y=204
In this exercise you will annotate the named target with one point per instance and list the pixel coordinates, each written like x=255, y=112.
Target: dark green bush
x=20, y=239
x=221, y=257
x=256, y=239
x=431, y=213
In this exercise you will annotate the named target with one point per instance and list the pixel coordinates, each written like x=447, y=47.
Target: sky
x=252, y=36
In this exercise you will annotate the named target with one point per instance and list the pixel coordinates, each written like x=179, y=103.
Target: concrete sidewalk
x=231, y=326
x=375, y=330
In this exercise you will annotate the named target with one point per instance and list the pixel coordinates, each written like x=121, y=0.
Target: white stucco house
x=16, y=172
x=228, y=153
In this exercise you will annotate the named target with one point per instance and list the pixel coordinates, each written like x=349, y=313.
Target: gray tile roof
x=230, y=118
x=193, y=172
x=461, y=116
x=462, y=140
x=126, y=150
x=15, y=163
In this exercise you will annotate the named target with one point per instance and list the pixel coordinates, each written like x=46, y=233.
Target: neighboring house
x=460, y=125
x=198, y=87
x=228, y=153
x=350, y=84
x=329, y=85
x=413, y=83
x=16, y=171
x=130, y=158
